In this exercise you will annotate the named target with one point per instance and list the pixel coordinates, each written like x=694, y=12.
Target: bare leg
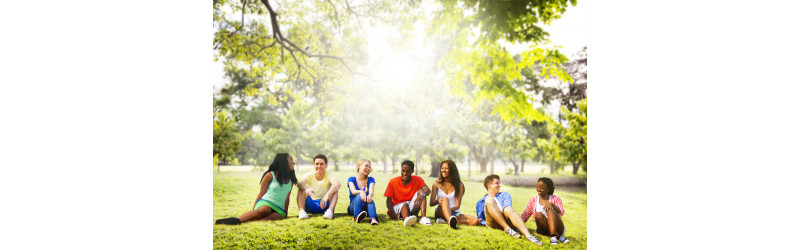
x=516, y=220
x=445, y=209
x=467, y=220
x=491, y=210
x=273, y=216
x=404, y=211
x=542, y=224
x=257, y=214
x=552, y=222
x=333, y=202
x=555, y=223
x=302, y=201
x=423, y=209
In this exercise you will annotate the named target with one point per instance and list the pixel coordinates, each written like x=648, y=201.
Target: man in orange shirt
x=406, y=196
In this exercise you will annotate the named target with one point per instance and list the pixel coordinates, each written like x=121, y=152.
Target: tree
x=569, y=143
x=226, y=140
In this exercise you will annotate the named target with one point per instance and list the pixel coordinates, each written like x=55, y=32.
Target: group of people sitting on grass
x=406, y=197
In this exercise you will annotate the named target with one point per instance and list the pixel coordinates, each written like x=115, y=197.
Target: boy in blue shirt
x=495, y=211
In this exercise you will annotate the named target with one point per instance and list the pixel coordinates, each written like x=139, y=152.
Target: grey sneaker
x=441, y=221
x=554, y=241
x=534, y=240
x=512, y=233
x=563, y=240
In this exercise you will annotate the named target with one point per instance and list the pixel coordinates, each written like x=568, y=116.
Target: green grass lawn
x=234, y=193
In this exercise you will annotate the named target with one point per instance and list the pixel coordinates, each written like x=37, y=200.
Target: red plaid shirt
x=532, y=204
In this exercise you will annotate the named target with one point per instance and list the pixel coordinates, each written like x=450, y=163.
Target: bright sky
x=568, y=31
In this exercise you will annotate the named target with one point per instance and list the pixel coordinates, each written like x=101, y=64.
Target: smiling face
x=365, y=168
x=542, y=189
x=445, y=171
x=406, y=173
x=320, y=165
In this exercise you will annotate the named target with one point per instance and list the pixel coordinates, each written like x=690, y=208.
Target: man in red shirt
x=406, y=196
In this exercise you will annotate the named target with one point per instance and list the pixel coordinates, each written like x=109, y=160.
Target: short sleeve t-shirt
x=320, y=187
x=366, y=187
x=400, y=193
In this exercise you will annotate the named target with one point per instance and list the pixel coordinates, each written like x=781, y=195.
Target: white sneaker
x=328, y=214
x=425, y=221
x=410, y=221
x=441, y=221
x=302, y=215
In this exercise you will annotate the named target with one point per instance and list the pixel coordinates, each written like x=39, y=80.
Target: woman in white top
x=449, y=197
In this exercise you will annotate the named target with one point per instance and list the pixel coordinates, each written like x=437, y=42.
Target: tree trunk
x=417, y=162
x=553, y=166
x=514, y=163
x=468, y=164
x=522, y=163
x=576, y=166
x=394, y=159
x=492, y=166
x=434, y=168
x=336, y=166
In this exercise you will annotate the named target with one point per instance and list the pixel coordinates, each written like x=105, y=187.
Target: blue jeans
x=357, y=206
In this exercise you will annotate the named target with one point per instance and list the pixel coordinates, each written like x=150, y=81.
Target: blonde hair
x=360, y=162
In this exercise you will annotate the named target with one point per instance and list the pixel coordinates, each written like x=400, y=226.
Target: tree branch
x=241, y=24
x=289, y=45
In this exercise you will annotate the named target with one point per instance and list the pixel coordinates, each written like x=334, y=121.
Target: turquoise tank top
x=276, y=193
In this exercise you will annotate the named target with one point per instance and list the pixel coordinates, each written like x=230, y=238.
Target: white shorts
x=399, y=206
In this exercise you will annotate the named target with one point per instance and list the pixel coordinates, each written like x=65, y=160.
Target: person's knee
x=539, y=216
x=263, y=211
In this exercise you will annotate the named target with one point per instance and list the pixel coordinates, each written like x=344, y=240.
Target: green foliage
x=234, y=194
x=569, y=143
x=227, y=139
x=513, y=21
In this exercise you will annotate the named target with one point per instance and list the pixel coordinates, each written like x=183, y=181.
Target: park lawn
x=235, y=192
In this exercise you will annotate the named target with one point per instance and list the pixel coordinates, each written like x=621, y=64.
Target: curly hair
x=548, y=182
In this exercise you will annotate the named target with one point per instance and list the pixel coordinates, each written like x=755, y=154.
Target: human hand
x=323, y=201
x=363, y=196
x=392, y=215
x=441, y=200
x=309, y=192
x=369, y=198
x=420, y=200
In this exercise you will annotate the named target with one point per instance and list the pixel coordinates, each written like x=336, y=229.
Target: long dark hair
x=281, y=167
x=453, y=176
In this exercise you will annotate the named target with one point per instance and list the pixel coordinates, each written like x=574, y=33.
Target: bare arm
x=301, y=184
x=352, y=188
x=286, y=203
x=334, y=188
x=458, y=199
x=370, y=190
x=425, y=190
x=265, y=183
x=434, y=201
x=391, y=211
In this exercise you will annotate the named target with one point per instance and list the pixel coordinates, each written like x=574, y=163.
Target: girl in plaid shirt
x=548, y=211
